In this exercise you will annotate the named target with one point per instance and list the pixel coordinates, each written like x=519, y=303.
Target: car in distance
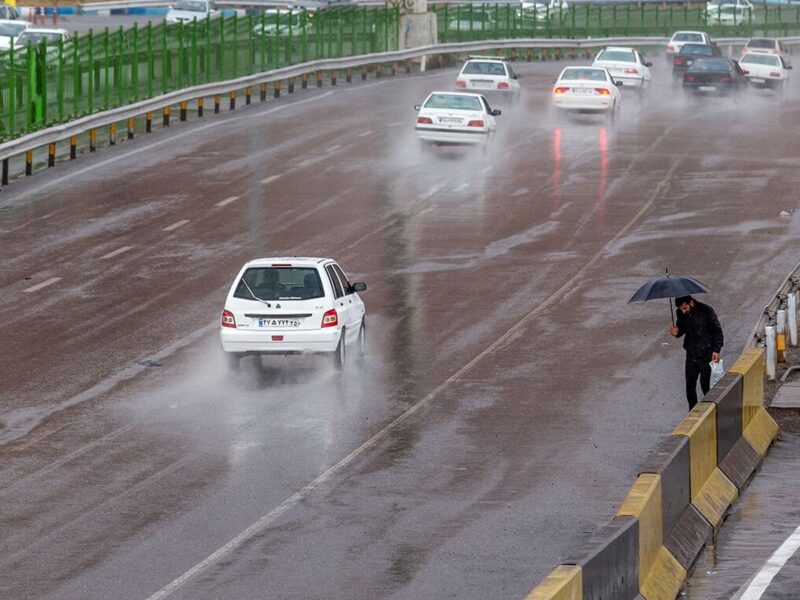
x=542, y=10
x=488, y=75
x=679, y=38
x=283, y=306
x=8, y=12
x=186, y=11
x=10, y=30
x=587, y=89
x=626, y=65
x=714, y=76
x=455, y=118
x=688, y=54
x=766, y=70
x=767, y=46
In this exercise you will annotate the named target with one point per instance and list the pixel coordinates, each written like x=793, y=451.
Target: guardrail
x=56, y=134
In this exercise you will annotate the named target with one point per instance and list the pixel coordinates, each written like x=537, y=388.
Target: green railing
x=470, y=22
x=45, y=85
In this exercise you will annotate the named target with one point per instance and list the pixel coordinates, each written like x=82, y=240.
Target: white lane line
x=461, y=188
x=174, y=226
x=395, y=124
x=227, y=201
x=44, y=284
x=334, y=148
x=306, y=162
x=365, y=133
x=432, y=191
x=270, y=179
x=116, y=252
x=772, y=567
x=300, y=495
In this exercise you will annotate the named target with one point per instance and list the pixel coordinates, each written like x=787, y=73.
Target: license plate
x=757, y=80
x=278, y=323
x=581, y=91
x=449, y=121
x=707, y=88
x=484, y=85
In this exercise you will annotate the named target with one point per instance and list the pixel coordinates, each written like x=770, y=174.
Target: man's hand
x=673, y=331
x=715, y=357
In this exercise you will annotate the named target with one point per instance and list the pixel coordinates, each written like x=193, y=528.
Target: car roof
x=763, y=39
x=45, y=30
x=620, y=48
x=498, y=59
x=4, y=21
x=584, y=67
x=295, y=261
x=687, y=31
x=456, y=94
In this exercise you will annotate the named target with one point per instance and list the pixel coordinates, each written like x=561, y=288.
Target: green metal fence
x=470, y=22
x=44, y=85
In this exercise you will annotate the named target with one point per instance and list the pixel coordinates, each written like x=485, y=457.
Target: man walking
x=702, y=340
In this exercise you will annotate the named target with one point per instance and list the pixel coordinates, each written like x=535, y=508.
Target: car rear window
x=759, y=43
x=586, y=74
x=710, y=64
x=617, y=55
x=760, y=59
x=11, y=29
x=697, y=50
x=453, y=101
x=279, y=283
x=475, y=67
x=687, y=37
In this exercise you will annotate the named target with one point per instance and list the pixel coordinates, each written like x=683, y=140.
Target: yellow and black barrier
x=678, y=500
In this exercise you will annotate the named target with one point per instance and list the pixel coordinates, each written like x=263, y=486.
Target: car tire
x=362, y=341
x=232, y=361
x=340, y=354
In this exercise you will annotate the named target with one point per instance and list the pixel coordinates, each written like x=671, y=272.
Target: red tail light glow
x=424, y=120
x=670, y=48
x=228, y=319
x=688, y=77
x=502, y=85
x=726, y=79
x=677, y=60
x=330, y=318
x=774, y=74
x=476, y=123
x=561, y=90
x=603, y=91
x=632, y=71
x=461, y=83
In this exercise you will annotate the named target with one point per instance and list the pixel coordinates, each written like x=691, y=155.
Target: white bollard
x=423, y=63
x=772, y=365
x=793, y=318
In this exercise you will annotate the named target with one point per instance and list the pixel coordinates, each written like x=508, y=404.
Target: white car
x=765, y=70
x=626, y=65
x=587, y=89
x=33, y=36
x=542, y=10
x=767, y=46
x=715, y=6
x=488, y=74
x=186, y=11
x=679, y=38
x=10, y=30
x=292, y=306
x=455, y=118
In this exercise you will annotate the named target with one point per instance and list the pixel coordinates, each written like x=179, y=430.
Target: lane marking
x=395, y=124
x=44, y=284
x=174, y=226
x=270, y=179
x=116, y=252
x=258, y=526
x=434, y=189
x=772, y=567
x=227, y=201
x=306, y=162
x=334, y=148
x=461, y=188
x=365, y=133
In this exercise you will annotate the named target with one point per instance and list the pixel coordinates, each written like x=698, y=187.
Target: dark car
x=688, y=54
x=8, y=12
x=720, y=76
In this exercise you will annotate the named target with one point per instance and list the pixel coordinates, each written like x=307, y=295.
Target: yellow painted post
x=277, y=89
x=200, y=103
x=217, y=102
x=51, y=155
x=73, y=147
x=112, y=134
x=165, y=117
x=184, y=110
x=29, y=162
x=248, y=94
x=232, y=104
x=148, y=122
x=131, y=124
x=92, y=140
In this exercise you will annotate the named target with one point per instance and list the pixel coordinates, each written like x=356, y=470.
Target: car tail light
x=689, y=78
x=726, y=79
x=677, y=60
x=502, y=85
x=774, y=74
x=561, y=90
x=228, y=319
x=424, y=120
x=476, y=123
x=631, y=71
x=461, y=83
x=281, y=265
x=670, y=48
x=603, y=91
x=330, y=318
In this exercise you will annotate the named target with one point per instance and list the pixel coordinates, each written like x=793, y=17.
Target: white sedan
x=765, y=70
x=587, y=89
x=455, y=118
x=679, y=38
x=488, y=74
x=626, y=65
x=186, y=11
x=10, y=30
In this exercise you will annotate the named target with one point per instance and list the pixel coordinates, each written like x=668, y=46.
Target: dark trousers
x=697, y=367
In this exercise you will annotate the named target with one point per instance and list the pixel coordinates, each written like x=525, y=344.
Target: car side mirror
x=417, y=106
x=359, y=287
x=788, y=67
x=648, y=64
x=496, y=112
x=745, y=72
x=618, y=83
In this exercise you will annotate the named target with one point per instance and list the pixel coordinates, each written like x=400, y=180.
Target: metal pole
x=769, y=333
x=792, y=314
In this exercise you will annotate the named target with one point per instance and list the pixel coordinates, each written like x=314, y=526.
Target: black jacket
x=701, y=330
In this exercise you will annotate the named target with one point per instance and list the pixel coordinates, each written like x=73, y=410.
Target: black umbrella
x=669, y=286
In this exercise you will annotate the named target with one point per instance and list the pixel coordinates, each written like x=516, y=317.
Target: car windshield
x=760, y=59
x=453, y=101
x=190, y=5
x=29, y=37
x=710, y=64
x=617, y=55
x=11, y=29
x=687, y=37
x=698, y=50
x=279, y=283
x=475, y=67
x=584, y=74
x=761, y=44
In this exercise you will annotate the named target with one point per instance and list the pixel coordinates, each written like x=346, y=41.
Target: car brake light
x=670, y=48
x=281, y=265
x=725, y=79
x=688, y=77
x=602, y=91
x=228, y=319
x=561, y=90
x=677, y=60
x=502, y=85
x=461, y=83
x=631, y=71
x=476, y=123
x=330, y=318
x=424, y=120
x=774, y=74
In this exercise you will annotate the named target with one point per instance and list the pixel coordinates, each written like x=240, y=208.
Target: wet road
x=509, y=394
